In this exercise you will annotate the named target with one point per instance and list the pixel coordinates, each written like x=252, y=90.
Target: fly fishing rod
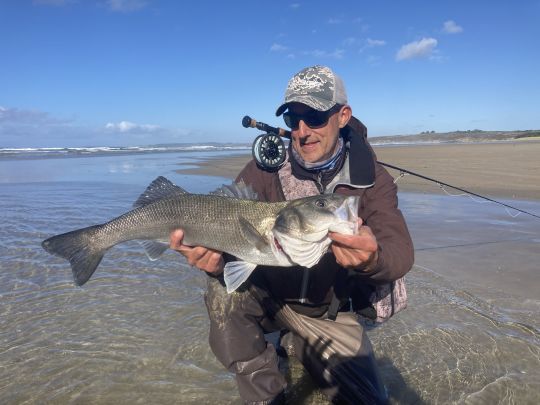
x=457, y=188
x=269, y=152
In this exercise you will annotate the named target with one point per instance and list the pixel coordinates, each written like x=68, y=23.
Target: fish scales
x=207, y=220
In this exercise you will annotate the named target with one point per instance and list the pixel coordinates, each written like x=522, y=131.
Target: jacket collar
x=361, y=159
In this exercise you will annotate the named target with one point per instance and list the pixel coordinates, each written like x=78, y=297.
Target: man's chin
x=310, y=155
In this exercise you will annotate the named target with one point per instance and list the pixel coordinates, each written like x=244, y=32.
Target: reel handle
x=248, y=122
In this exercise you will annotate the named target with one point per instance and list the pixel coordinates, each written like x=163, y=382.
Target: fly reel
x=268, y=149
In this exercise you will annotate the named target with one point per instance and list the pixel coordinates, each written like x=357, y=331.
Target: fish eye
x=320, y=203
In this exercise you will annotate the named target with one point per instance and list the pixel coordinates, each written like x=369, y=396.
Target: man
x=328, y=153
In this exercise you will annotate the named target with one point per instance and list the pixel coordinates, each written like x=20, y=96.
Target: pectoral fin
x=236, y=273
x=252, y=235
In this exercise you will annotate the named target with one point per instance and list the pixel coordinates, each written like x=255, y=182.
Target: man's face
x=319, y=143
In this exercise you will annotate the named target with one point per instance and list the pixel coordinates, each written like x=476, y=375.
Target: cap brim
x=281, y=109
x=311, y=101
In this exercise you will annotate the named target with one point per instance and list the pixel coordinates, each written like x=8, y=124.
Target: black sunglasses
x=312, y=118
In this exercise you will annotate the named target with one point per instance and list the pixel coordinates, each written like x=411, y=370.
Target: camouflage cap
x=317, y=87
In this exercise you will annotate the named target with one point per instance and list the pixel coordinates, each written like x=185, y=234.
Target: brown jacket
x=378, y=209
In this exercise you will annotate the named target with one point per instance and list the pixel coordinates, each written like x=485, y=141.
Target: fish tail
x=80, y=247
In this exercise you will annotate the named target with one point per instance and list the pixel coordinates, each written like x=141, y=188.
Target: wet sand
x=508, y=170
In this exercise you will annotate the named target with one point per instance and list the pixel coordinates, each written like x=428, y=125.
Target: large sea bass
x=257, y=233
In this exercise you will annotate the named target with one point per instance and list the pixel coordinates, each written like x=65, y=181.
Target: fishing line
x=467, y=192
x=401, y=175
x=459, y=245
x=478, y=201
x=448, y=193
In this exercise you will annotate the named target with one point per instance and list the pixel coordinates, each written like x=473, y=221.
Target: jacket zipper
x=319, y=183
x=304, y=288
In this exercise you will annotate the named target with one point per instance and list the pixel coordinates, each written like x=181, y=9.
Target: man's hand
x=208, y=260
x=355, y=251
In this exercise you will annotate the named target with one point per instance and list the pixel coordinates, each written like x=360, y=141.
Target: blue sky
x=137, y=72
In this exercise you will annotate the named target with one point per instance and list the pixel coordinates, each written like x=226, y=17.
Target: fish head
x=309, y=219
x=301, y=228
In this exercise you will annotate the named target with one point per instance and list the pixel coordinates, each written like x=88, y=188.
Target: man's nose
x=303, y=128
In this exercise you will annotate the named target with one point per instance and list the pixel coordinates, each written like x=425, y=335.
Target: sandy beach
x=505, y=170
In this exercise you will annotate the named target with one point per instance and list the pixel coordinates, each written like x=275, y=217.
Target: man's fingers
x=354, y=250
x=346, y=258
x=344, y=253
x=340, y=237
x=363, y=240
x=201, y=257
x=205, y=259
x=195, y=255
x=175, y=239
x=211, y=260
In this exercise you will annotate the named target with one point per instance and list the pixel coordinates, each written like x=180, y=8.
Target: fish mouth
x=347, y=215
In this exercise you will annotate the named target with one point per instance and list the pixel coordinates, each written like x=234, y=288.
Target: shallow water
x=137, y=332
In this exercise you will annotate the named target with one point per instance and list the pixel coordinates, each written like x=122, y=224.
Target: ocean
x=137, y=331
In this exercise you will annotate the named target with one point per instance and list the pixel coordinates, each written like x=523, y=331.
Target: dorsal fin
x=160, y=188
x=236, y=190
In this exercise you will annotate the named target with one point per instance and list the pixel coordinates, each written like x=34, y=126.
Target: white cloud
x=35, y=128
x=130, y=127
x=336, y=54
x=278, y=48
x=14, y=116
x=373, y=60
x=360, y=21
x=334, y=21
x=126, y=5
x=350, y=41
x=294, y=5
x=370, y=43
x=450, y=27
x=24, y=128
x=417, y=49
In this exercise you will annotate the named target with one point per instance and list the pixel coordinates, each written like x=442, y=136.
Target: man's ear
x=344, y=115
